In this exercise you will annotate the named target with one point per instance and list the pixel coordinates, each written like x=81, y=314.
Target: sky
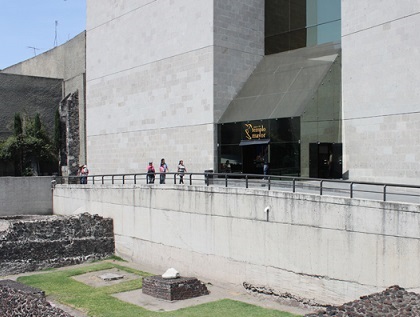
x=29, y=27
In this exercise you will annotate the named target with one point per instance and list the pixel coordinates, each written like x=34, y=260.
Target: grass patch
x=98, y=302
x=116, y=258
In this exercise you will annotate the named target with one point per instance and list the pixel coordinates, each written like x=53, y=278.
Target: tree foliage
x=17, y=126
x=29, y=146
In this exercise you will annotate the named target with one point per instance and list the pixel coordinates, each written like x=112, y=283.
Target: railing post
x=103, y=179
x=190, y=179
x=320, y=187
x=112, y=179
x=93, y=180
x=123, y=179
x=351, y=190
x=269, y=182
x=226, y=181
x=384, y=192
x=174, y=178
x=135, y=179
x=294, y=185
x=246, y=181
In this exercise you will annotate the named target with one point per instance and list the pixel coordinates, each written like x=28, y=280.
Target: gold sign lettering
x=255, y=132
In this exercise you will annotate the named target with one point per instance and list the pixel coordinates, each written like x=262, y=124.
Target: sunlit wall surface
x=292, y=24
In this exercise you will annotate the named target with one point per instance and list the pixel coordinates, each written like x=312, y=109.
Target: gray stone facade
x=158, y=92
x=381, y=100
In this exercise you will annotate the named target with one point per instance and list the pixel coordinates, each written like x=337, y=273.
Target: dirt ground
x=217, y=291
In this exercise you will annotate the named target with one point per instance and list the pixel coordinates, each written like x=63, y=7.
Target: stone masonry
x=392, y=302
x=173, y=289
x=33, y=243
x=15, y=301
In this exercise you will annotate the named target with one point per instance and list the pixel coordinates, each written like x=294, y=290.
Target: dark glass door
x=325, y=160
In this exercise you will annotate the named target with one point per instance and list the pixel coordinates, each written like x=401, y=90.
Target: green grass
x=98, y=302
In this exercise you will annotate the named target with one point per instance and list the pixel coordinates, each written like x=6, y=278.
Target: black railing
x=323, y=187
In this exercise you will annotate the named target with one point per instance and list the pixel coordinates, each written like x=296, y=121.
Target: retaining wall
x=25, y=195
x=331, y=250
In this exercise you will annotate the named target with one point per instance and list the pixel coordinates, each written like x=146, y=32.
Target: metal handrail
x=269, y=182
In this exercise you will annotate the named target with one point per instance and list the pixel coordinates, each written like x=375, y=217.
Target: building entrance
x=325, y=160
x=253, y=158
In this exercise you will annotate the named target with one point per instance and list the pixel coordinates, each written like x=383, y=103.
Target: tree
x=28, y=147
x=17, y=126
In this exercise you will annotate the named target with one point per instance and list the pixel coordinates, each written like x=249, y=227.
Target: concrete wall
x=66, y=61
x=153, y=87
x=25, y=196
x=28, y=95
x=332, y=250
x=381, y=99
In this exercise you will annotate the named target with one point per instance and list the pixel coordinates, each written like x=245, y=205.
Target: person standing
x=265, y=166
x=151, y=173
x=228, y=167
x=163, y=169
x=181, y=170
x=83, y=173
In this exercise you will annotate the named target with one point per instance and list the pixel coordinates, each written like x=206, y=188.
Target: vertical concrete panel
x=149, y=92
x=380, y=95
x=25, y=196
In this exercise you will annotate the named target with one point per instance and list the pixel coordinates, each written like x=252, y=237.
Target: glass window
x=285, y=159
x=285, y=130
x=230, y=159
x=292, y=24
x=230, y=133
x=283, y=149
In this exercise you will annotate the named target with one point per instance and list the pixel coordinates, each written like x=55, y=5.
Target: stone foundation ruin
x=30, y=243
x=21, y=300
x=174, y=288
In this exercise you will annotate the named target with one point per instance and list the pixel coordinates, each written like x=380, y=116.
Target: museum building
x=290, y=107
x=320, y=88
x=267, y=75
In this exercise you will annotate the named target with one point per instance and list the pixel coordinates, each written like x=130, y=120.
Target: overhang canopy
x=254, y=142
x=282, y=84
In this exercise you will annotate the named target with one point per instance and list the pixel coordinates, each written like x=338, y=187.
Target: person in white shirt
x=181, y=171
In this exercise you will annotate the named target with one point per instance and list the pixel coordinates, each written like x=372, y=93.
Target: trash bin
x=208, y=177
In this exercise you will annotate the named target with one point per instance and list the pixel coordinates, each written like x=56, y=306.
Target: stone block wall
x=380, y=91
x=173, y=289
x=33, y=243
